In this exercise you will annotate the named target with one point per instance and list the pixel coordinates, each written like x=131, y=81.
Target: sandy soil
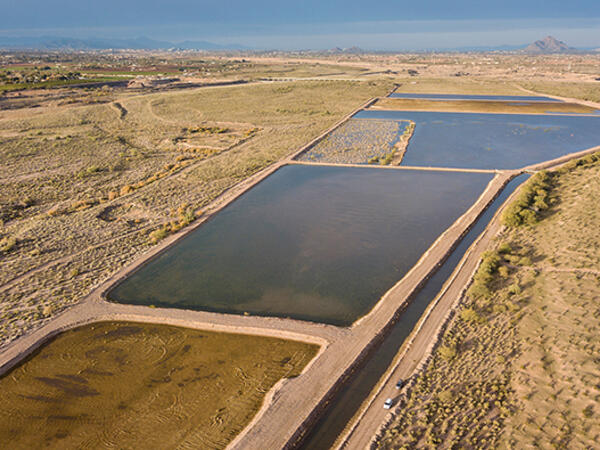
x=294, y=404
x=417, y=349
x=295, y=400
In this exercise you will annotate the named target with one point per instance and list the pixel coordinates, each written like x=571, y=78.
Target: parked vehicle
x=399, y=384
x=388, y=403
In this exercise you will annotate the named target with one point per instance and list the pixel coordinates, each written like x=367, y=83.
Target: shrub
x=514, y=289
x=8, y=243
x=88, y=171
x=504, y=248
x=525, y=261
x=484, y=276
x=445, y=396
x=158, y=235
x=470, y=315
x=533, y=199
x=448, y=352
x=503, y=271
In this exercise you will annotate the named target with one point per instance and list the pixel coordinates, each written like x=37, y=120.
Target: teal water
x=491, y=141
x=314, y=243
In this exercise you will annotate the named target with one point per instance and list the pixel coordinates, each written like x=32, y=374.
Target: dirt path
x=564, y=99
x=416, y=350
x=295, y=404
x=292, y=406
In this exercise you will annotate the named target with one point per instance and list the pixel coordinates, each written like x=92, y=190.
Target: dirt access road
x=418, y=347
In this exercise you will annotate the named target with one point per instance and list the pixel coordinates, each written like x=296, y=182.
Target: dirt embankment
x=418, y=347
x=402, y=144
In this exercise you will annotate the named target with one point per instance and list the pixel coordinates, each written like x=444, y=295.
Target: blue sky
x=387, y=25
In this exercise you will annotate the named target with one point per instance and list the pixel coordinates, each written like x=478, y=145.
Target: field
x=120, y=383
x=585, y=91
x=93, y=177
x=86, y=189
x=517, y=366
x=461, y=85
x=479, y=106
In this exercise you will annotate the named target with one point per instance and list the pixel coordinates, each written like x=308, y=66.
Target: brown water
x=313, y=243
x=131, y=385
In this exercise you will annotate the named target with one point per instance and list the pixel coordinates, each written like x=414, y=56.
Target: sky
x=303, y=24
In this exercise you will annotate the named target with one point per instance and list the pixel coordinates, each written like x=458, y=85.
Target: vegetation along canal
x=350, y=397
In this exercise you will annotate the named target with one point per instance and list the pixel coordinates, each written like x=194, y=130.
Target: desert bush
x=504, y=248
x=445, y=396
x=514, y=289
x=533, y=198
x=126, y=189
x=525, y=261
x=8, y=243
x=470, y=315
x=484, y=276
x=158, y=235
x=448, y=352
x=90, y=170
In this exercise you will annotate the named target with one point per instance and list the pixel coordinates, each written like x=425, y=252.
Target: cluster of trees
x=533, y=199
x=36, y=75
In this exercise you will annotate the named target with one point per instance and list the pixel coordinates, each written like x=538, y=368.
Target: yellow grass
x=95, y=183
x=517, y=366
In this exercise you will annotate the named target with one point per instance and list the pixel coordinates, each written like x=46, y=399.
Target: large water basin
x=348, y=400
x=491, y=141
x=314, y=243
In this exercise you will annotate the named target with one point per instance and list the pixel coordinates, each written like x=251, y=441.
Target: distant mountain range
x=549, y=45
x=544, y=46
x=140, y=43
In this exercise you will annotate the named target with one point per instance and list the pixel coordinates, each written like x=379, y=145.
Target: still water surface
x=491, y=141
x=349, y=399
x=313, y=243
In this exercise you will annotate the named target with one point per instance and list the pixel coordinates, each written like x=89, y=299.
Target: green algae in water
x=132, y=385
x=313, y=243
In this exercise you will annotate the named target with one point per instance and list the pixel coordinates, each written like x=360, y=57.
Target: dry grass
x=458, y=85
x=517, y=366
x=582, y=90
x=119, y=384
x=84, y=186
x=479, y=106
